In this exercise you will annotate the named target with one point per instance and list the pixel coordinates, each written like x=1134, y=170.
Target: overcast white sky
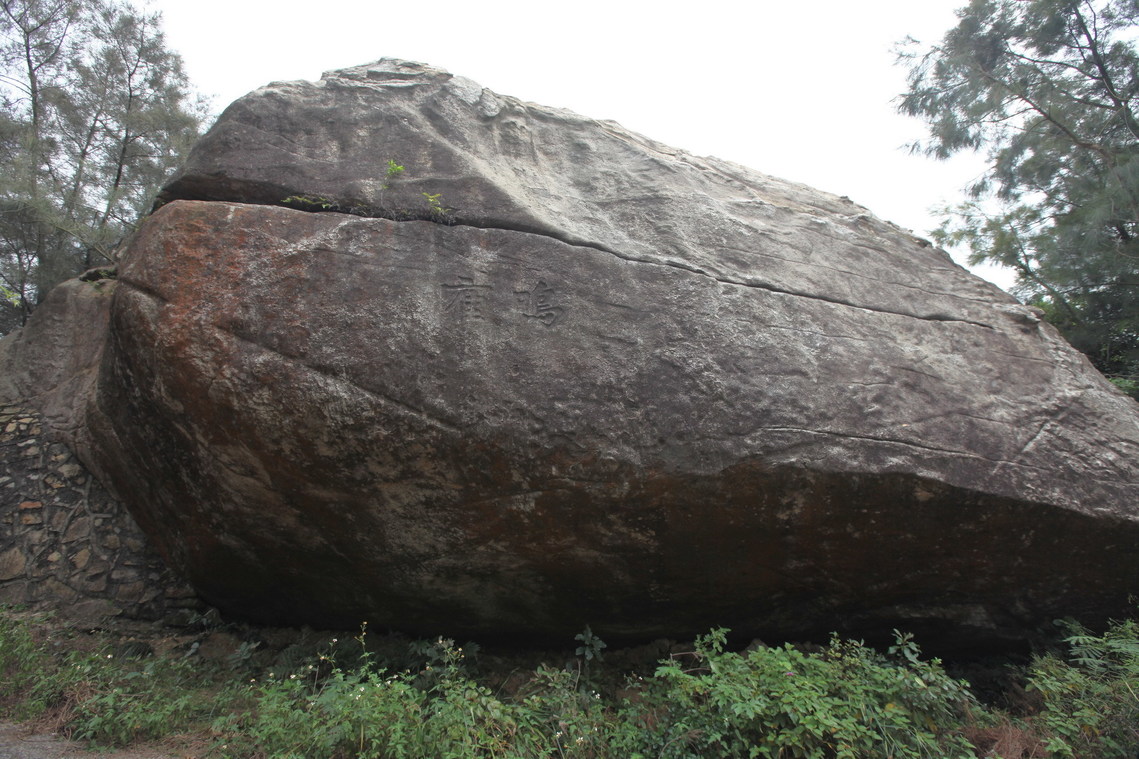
x=802, y=90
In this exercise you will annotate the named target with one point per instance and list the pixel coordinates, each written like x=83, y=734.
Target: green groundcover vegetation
x=385, y=697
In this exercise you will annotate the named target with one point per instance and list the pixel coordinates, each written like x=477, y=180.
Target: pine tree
x=1047, y=88
x=95, y=112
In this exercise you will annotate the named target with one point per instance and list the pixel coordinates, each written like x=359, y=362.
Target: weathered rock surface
x=604, y=382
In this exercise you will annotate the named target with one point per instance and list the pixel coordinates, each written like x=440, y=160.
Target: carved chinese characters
x=466, y=299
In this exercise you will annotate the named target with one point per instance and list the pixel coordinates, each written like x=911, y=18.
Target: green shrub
x=847, y=701
x=370, y=714
x=1091, y=701
x=126, y=700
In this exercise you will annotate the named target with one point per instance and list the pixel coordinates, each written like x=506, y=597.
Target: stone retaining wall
x=65, y=542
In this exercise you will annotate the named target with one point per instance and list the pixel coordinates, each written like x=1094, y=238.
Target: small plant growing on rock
x=310, y=203
x=435, y=206
x=392, y=171
x=436, y=211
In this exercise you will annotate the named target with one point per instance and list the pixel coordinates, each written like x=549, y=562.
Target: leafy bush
x=369, y=714
x=847, y=701
x=140, y=701
x=1091, y=701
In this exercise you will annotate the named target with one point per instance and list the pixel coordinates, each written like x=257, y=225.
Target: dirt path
x=17, y=742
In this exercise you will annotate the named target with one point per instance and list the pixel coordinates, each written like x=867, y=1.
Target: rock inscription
x=467, y=300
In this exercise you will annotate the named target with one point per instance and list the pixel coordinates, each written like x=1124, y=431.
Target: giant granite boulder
x=555, y=374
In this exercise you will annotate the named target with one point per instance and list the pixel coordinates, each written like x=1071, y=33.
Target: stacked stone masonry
x=65, y=542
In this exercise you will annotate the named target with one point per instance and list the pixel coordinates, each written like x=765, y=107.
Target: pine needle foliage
x=95, y=112
x=1047, y=90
